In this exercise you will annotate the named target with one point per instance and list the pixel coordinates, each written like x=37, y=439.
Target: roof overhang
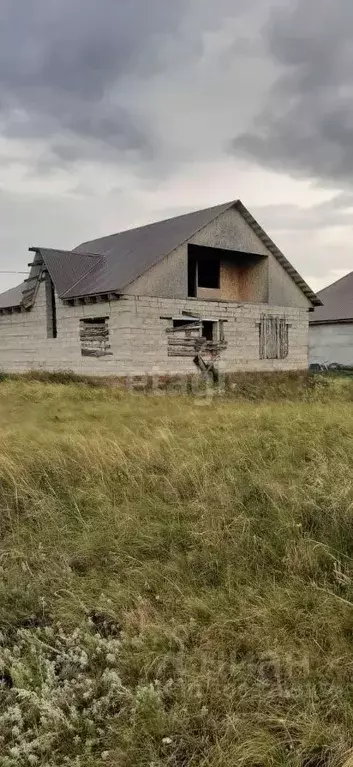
x=280, y=257
x=343, y=321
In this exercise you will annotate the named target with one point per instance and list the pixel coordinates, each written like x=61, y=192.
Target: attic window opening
x=208, y=273
x=52, y=324
x=95, y=337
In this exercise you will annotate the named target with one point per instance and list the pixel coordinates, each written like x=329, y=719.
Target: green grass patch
x=176, y=576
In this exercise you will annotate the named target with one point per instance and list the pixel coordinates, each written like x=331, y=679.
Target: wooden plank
x=95, y=353
x=283, y=339
x=94, y=333
x=178, y=352
x=183, y=328
x=182, y=342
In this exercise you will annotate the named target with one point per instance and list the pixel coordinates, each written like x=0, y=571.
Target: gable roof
x=129, y=254
x=109, y=264
x=337, y=300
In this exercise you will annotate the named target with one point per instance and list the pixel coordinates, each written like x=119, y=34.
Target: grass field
x=176, y=576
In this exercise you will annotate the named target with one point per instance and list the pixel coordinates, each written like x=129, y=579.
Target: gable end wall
x=230, y=231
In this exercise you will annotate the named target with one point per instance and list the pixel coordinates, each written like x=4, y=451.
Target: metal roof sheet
x=127, y=255
x=13, y=297
x=337, y=300
x=66, y=267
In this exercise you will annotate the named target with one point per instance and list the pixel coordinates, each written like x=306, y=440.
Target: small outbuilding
x=331, y=326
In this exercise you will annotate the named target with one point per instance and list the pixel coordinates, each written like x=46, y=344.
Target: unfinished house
x=204, y=291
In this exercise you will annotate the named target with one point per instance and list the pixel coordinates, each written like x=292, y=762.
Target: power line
x=3, y=272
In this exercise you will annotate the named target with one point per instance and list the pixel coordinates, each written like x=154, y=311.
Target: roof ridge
x=159, y=221
x=35, y=249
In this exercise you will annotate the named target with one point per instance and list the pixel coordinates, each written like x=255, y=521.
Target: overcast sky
x=115, y=113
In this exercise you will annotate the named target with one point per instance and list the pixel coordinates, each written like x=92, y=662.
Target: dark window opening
x=208, y=329
x=95, y=320
x=94, y=337
x=181, y=323
x=208, y=273
x=52, y=325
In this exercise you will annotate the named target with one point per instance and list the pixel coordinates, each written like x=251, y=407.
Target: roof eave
x=270, y=245
x=86, y=296
x=341, y=321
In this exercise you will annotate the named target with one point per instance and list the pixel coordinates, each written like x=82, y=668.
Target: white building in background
x=331, y=325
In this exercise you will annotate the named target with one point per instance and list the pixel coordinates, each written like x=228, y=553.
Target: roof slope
x=130, y=254
x=337, y=300
x=110, y=264
x=13, y=297
x=127, y=255
x=68, y=268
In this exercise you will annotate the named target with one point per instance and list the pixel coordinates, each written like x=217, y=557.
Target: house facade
x=331, y=326
x=207, y=290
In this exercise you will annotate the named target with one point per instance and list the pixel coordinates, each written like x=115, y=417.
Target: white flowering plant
x=62, y=698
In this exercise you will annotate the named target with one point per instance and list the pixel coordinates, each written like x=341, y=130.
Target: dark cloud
x=334, y=213
x=316, y=238
x=90, y=79
x=306, y=126
x=61, y=63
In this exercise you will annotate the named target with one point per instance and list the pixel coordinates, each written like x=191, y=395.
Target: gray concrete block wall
x=138, y=337
x=281, y=288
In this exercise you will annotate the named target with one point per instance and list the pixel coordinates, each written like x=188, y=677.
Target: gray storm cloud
x=306, y=126
x=77, y=74
x=61, y=62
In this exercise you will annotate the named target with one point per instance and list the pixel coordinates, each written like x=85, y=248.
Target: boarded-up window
x=273, y=337
x=186, y=337
x=183, y=337
x=94, y=337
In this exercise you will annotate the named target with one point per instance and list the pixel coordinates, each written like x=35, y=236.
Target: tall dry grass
x=212, y=542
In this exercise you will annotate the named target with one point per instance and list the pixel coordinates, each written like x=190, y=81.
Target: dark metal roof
x=110, y=264
x=13, y=297
x=66, y=267
x=337, y=300
x=127, y=255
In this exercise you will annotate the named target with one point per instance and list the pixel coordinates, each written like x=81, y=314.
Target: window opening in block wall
x=95, y=337
x=273, y=337
x=209, y=330
x=194, y=334
x=52, y=325
x=185, y=323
